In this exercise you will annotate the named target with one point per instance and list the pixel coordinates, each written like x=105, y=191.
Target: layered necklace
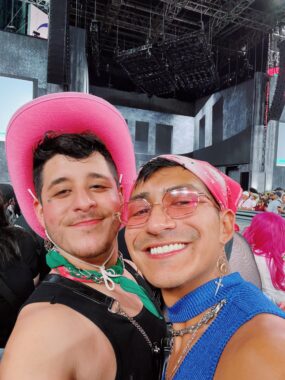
x=193, y=331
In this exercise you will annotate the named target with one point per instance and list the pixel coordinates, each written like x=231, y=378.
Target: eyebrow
x=60, y=180
x=143, y=195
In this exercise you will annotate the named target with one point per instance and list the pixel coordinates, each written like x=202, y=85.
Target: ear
x=227, y=222
x=39, y=212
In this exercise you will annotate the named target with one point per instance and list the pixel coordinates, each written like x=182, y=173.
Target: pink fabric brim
x=67, y=112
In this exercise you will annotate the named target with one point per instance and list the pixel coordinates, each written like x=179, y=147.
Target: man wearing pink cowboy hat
x=179, y=218
x=71, y=163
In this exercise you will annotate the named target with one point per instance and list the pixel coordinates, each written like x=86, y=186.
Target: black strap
x=95, y=295
x=79, y=288
x=8, y=294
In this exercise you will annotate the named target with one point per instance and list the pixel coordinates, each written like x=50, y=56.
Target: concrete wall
x=182, y=131
x=274, y=175
x=224, y=122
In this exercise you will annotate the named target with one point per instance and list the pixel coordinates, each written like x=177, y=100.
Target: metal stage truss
x=153, y=41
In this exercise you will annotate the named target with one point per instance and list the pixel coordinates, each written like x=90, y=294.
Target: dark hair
x=9, y=250
x=75, y=145
x=253, y=190
x=153, y=166
x=157, y=164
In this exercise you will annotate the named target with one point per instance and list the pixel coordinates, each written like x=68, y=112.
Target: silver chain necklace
x=211, y=313
x=153, y=346
x=193, y=330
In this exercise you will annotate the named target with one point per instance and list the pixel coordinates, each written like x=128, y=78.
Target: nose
x=159, y=220
x=83, y=200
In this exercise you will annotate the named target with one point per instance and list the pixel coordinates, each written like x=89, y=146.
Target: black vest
x=136, y=360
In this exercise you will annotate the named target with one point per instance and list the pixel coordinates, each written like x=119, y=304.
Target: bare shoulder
x=255, y=351
x=53, y=342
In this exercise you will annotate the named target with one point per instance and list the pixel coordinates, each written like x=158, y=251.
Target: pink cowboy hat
x=67, y=112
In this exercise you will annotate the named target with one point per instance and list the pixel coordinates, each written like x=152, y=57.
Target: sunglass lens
x=180, y=203
x=137, y=212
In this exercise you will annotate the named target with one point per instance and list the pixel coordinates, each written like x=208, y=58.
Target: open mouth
x=168, y=248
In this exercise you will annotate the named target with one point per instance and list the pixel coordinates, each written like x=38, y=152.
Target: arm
x=55, y=342
x=256, y=351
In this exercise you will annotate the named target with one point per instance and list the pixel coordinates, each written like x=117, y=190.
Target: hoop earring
x=118, y=215
x=48, y=245
x=222, y=266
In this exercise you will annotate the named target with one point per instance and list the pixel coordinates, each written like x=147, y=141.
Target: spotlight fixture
x=184, y=63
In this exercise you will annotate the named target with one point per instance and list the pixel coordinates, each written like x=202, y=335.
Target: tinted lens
x=138, y=212
x=180, y=202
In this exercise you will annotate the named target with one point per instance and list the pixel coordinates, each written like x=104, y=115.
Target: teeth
x=166, y=248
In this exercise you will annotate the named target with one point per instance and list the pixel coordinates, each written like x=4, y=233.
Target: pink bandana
x=225, y=190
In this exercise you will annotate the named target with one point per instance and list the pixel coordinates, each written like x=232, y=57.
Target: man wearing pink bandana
x=179, y=218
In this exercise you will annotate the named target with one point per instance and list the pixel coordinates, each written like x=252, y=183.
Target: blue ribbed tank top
x=243, y=302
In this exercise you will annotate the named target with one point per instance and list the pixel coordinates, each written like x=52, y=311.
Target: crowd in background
x=271, y=201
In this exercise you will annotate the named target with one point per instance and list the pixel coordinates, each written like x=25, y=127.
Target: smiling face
x=79, y=199
x=178, y=255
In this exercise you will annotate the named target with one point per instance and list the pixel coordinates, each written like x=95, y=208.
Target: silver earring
x=223, y=270
x=48, y=245
x=118, y=215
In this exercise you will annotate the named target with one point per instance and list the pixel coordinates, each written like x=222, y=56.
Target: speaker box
x=58, y=43
x=278, y=100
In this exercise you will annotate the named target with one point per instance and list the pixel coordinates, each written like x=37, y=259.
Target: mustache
x=92, y=214
x=86, y=216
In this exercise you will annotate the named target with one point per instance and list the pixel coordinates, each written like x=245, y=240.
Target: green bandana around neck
x=54, y=259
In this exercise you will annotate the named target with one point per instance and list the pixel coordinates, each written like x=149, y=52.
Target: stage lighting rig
x=184, y=63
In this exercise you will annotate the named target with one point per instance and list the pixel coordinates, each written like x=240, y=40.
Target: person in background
x=261, y=205
x=247, y=202
x=266, y=235
x=252, y=190
x=18, y=272
x=282, y=208
x=179, y=218
x=275, y=204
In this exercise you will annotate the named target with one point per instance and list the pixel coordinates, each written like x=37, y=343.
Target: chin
x=161, y=282
x=83, y=252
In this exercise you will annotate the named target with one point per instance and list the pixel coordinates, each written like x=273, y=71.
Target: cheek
x=111, y=202
x=130, y=237
x=52, y=214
